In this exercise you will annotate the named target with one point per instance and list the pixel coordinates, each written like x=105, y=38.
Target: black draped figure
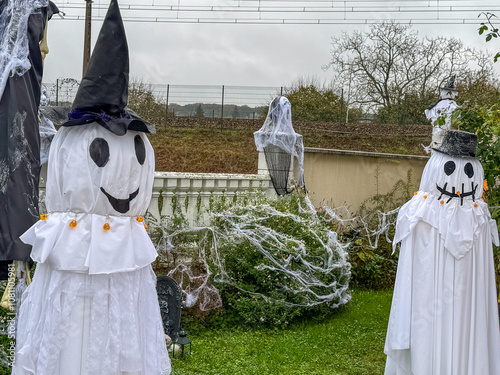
x=20, y=149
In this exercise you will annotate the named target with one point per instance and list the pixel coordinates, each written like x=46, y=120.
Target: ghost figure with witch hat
x=92, y=307
x=444, y=316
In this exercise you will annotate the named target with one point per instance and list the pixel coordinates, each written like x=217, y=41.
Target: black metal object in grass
x=182, y=341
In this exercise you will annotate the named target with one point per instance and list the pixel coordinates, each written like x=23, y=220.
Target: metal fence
x=181, y=100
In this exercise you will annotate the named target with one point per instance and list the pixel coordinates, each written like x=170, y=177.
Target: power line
x=293, y=11
x=306, y=9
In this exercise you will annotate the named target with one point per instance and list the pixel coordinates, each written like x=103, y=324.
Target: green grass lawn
x=351, y=342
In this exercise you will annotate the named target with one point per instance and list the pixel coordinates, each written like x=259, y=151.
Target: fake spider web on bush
x=282, y=251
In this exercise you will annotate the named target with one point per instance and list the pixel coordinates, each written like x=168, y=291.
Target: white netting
x=278, y=131
x=14, y=48
x=317, y=270
x=47, y=128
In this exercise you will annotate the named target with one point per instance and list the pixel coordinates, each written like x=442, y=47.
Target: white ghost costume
x=444, y=315
x=92, y=307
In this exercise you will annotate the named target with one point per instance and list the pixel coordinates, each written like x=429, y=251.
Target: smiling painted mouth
x=457, y=194
x=120, y=205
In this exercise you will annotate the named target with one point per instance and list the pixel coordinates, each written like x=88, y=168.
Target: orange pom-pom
x=73, y=223
x=146, y=226
x=415, y=193
x=140, y=219
x=44, y=217
x=442, y=202
x=475, y=205
x=425, y=196
x=106, y=227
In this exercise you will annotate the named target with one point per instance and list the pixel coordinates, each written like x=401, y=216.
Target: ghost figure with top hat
x=443, y=107
x=92, y=307
x=444, y=314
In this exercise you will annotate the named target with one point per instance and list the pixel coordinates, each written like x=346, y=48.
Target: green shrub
x=277, y=262
x=374, y=264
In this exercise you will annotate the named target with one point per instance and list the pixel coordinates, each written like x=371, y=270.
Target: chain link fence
x=188, y=100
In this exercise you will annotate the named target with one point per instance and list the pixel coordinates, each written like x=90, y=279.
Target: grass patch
x=351, y=342
x=202, y=150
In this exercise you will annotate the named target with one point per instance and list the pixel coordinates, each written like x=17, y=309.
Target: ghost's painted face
x=467, y=182
x=99, y=152
x=453, y=177
x=100, y=172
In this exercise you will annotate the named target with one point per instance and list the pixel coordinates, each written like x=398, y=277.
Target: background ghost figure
x=444, y=315
x=281, y=146
x=443, y=107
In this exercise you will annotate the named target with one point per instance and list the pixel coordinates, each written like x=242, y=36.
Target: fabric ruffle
x=458, y=225
x=88, y=247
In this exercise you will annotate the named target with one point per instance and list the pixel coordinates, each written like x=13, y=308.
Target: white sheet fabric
x=78, y=324
x=74, y=181
x=92, y=308
x=444, y=315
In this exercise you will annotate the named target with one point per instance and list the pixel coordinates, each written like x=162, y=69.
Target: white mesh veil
x=47, y=129
x=14, y=16
x=278, y=131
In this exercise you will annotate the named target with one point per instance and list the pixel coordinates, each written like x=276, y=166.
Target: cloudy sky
x=247, y=42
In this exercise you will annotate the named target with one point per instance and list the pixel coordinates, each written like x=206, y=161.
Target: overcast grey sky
x=258, y=53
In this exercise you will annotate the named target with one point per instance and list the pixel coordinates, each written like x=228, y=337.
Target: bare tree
x=391, y=60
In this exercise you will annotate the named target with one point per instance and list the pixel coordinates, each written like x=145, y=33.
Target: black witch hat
x=103, y=92
x=450, y=85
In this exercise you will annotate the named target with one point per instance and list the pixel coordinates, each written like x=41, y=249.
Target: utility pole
x=86, y=40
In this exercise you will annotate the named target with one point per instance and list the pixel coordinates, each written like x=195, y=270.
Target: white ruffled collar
x=91, y=243
x=459, y=222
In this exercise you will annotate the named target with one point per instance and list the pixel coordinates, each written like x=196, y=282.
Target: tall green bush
x=281, y=262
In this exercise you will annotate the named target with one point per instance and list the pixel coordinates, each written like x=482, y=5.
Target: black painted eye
x=469, y=170
x=140, y=149
x=449, y=167
x=99, y=151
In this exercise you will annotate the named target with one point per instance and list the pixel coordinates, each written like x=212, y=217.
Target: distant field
x=200, y=145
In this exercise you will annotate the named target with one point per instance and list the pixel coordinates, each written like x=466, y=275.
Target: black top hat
x=103, y=92
x=458, y=143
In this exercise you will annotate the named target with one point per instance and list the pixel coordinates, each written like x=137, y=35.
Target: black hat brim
x=454, y=154
x=118, y=126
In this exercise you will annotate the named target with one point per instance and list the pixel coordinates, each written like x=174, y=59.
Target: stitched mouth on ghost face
x=120, y=205
x=457, y=193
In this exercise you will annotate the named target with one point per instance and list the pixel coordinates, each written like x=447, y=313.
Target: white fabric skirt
x=444, y=315
x=79, y=324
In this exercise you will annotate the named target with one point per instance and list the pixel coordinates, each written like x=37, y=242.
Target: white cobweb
x=318, y=274
x=46, y=127
x=14, y=48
